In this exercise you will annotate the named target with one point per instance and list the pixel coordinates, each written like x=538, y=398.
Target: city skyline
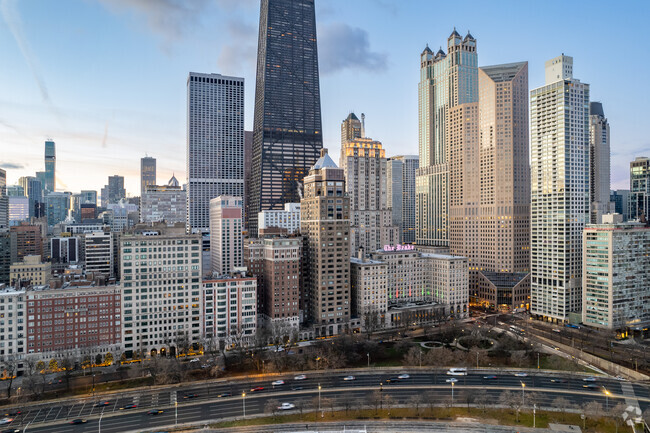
x=98, y=136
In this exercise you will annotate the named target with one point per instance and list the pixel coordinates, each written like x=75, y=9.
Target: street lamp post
x=99, y=426
x=537, y=360
x=477, y=359
x=452, y=393
x=534, y=408
x=607, y=393
x=243, y=401
x=176, y=412
x=319, y=397
x=368, y=355
x=381, y=395
x=25, y=431
x=523, y=387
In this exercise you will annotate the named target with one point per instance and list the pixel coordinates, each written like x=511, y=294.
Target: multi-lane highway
x=214, y=401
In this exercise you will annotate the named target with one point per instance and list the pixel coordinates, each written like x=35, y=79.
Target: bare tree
x=375, y=400
x=483, y=400
x=512, y=401
x=468, y=397
x=413, y=356
x=271, y=407
x=67, y=367
x=347, y=401
x=519, y=358
x=416, y=401
x=430, y=399
x=10, y=367
x=616, y=414
x=593, y=410
x=371, y=322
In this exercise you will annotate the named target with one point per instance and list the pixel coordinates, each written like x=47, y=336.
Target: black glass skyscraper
x=287, y=133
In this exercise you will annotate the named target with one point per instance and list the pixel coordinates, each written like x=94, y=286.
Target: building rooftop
x=324, y=161
x=359, y=261
x=504, y=72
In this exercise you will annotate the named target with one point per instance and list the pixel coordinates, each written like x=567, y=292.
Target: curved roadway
x=202, y=401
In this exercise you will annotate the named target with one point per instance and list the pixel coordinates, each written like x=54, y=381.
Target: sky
x=106, y=79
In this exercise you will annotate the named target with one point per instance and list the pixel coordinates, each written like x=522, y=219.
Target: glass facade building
x=50, y=166
x=287, y=131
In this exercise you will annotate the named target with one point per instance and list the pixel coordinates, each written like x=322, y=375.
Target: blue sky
x=106, y=79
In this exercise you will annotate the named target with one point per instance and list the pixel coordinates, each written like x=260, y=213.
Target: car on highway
x=78, y=421
x=12, y=430
x=155, y=412
x=451, y=380
x=4, y=421
x=490, y=377
x=403, y=376
x=277, y=382
x=521, y=374
x=190, y=395
x=225, y=394
x=13, y=413
x=194, y=360
x=557, y=331
x=257, y=389
x=619, y=378
x=129, y=406
x=558, y=380
x=392, y=380
x=102, y=403
x=348, y=378
x=592, y=386
x=457, y=372
x=589, y=379
x=287, y=406
x=300, y=377
x=297, y=388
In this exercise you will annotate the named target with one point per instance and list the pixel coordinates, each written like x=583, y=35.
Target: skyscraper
x=226, y=239
x=363, y=161
x=559, y=190
x=500, y=276
x=400, y=175
x=599, y=163
x=351, y=128
x=147, y=173
x=34, y=191
x=248, y=161
x=446, y=80
x=50, y=166
x=639, y=201
x=325, y=223
x=114, y=191
x=4, y=200
x=215, y=143
x=287, y=132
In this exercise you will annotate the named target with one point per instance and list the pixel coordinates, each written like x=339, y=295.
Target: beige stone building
x=31, y=269
x=369, y=291
x=226, y=238
x=325, y=223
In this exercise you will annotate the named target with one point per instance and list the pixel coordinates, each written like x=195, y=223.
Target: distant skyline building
x=325, y=223
x=559, y=190
x=248, y=162
x=599, y=163
x=620, y=199
x=639, y=203
x=363, y=161
x=114, y=191
x=287, y=130
x=164, y=203
x=400, y=191
x=33, y=189
x=226, y=238
x=56, y=207
x=4, y=200
x=18, y=210
x=50, y=166
x=446, y=80
x=215, y=144
x=147, y=173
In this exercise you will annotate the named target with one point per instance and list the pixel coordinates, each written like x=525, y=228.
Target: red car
x=257, y=388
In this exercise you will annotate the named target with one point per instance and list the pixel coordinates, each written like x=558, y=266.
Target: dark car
x=592, y=386
x=155, y=412
x=190, y=395
x=490, y=377
x=297, y=388
x=393, y=380
x=558, y=380
x=102, y=403
x=78, y=421
x=129, y=406
x=13, y=413
x=12, y=430
x=257, y=389
x=225, y=394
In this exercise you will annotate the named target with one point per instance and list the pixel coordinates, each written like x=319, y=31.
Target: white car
x=403, y=376
x=589, y=379
x=522, y=374
x=287, y=406
x=4, y=421
x=451, y=380
x=278, y=383
x=347, y=378
x=300, y=377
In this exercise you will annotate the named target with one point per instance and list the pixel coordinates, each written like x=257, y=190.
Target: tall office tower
x=27, y=240
x=248, y=162
x=446, y=80
x=351, y=128
x=18, y=210
x=559, y=190
x=287, y=131
x=147, y=173
x=215, y=143
x=114, y=191
x=363, y=161
x=50, y=166
x=599, y=163
x=325, y=222
x=164, y=203
x=620, y=199
x=500, y=275
x=400, y=189
x=98, y=248
x=639, y=202
x=56, y=207
x=34, y=191
x=4, y=200
x=226, y=239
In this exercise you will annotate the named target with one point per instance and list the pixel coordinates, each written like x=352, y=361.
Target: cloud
x=11, y=17
x=341, y=46
x=169, y=18
x=11, y=165
x=241, y=53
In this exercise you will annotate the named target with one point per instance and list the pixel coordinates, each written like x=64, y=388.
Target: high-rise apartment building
x=559, y=190
x=287, y=131
x=57, y=205
x=215, y=143
x=161, y=303
x=599, y=163
x=147, y=173
x=400, y=191
x=363, y=161
x=114, y=191
x=287, y=219
x=446, y=80
x=639, y=202
x=27, y=241
x=499, y=173
x=164, y=203
x=616, y=259
x=50, y=166
x=98, y=247
x=325, y=222
x=226, y=238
